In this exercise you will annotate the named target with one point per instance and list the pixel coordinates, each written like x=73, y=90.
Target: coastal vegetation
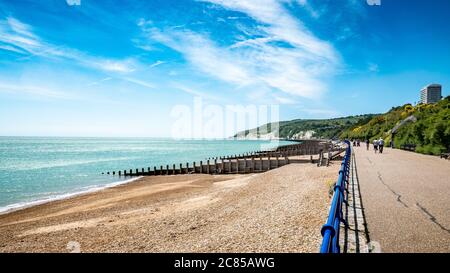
x=425, y=125
x=308, y=128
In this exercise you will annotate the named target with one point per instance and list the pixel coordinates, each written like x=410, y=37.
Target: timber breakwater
x=251, y=162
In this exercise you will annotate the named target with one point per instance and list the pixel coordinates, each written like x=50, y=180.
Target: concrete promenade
x=406, y=199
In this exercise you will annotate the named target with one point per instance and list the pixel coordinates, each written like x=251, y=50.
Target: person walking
x=375, y=145
x=367, y=144
x=380, y=145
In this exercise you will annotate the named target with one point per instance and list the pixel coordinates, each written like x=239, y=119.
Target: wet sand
x=278, y=211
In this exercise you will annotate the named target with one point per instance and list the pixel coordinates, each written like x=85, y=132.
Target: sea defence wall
x=251, y=162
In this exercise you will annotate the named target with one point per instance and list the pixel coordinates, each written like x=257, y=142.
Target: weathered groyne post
x=245, y=164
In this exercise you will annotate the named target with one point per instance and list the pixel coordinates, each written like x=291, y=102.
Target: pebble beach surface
x=281, y=210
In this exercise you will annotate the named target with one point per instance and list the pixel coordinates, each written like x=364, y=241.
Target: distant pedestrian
x=391, y=144
x=381, y=145
x=367, y=144
x=375, y=145
x=358, y=143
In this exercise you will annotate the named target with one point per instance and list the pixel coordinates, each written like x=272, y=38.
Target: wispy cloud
x=139, y=82
x=284, y=100
x=18, y=38
x=285, y=56
x=195, y=92
x=203, y=54
x=309, y=8
x=35, y=91
x=100, y=81
x=157, y=63
x=323, y=113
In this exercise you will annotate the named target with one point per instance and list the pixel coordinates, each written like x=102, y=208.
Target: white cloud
x=282, y=25
x=307, y=6
x=285, y=56
x=18, y=38
x=157, y=63
x=203, y=54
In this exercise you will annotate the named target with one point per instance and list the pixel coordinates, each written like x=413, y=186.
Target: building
x=431, y=93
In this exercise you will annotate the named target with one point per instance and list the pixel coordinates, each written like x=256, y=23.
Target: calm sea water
x=38, y=169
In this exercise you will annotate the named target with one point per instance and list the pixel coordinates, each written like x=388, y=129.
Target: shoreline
x=63, y=196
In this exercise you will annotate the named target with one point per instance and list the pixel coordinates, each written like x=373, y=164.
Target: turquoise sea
x=39, y=169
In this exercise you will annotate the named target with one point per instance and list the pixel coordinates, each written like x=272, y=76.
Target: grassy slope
x=323, y=128
x=431, y=131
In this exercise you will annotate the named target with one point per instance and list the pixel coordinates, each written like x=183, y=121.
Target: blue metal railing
x=330, y=231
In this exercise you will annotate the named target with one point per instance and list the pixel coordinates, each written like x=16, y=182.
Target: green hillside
x=311, y=128
x=425, y=125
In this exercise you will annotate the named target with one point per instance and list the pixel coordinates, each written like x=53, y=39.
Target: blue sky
x=118, y=68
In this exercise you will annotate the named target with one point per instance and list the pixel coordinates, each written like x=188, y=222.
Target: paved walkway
x=406, y=198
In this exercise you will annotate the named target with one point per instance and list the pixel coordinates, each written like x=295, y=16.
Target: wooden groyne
x=252, y=162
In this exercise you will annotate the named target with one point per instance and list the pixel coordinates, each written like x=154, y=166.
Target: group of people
x=378, y=144
x=356, y=143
